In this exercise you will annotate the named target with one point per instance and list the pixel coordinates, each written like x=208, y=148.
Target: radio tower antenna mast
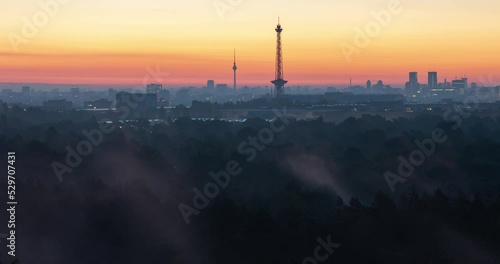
x=234, y=69
x=279, y=82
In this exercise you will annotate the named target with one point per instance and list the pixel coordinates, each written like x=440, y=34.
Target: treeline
x=312, y=180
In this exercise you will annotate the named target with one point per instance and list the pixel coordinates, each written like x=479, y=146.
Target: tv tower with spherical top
x=234, y=69
x=279, y=82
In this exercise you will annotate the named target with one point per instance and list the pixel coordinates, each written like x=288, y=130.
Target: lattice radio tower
x=279, y=82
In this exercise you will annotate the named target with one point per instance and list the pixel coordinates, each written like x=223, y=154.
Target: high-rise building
x=6, y=92
x=368, y=85
x=75, y=92
x=221, y=88
x=26, y=91
x=379, y=87
x=183, y=96
x=154, y=88
x=112, y=94
x=458, y=85
x=412, y=87
x=466, y=82
x=210, y=85
x=413, y=77
x=432, y=80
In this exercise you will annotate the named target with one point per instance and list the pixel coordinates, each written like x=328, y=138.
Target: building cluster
x=373, y=87
x=75, y=98
x=54, y=99
x=430, y=91
x=433, y=89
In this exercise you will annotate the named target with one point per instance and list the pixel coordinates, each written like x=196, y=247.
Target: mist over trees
x=314, y=179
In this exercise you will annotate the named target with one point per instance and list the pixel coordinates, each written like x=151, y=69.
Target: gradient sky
x=112, y=42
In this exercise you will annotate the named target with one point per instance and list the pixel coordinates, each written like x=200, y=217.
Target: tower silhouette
x=279, y=82
x=234, y=69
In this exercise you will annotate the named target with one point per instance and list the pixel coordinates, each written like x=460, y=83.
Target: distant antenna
x=234, y=70
x=279, y=82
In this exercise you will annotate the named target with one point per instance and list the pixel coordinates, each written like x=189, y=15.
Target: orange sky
x=113, y=42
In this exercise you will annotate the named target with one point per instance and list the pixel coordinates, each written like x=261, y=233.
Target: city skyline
x=88, y=43
x=228, y=131
x=482, y=81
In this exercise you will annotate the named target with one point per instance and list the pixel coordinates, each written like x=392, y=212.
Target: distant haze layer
x=324, y=41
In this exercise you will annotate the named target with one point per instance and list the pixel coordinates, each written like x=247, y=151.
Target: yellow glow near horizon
x=112, y=42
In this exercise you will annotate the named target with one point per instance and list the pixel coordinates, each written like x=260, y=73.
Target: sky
x=113, y=42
